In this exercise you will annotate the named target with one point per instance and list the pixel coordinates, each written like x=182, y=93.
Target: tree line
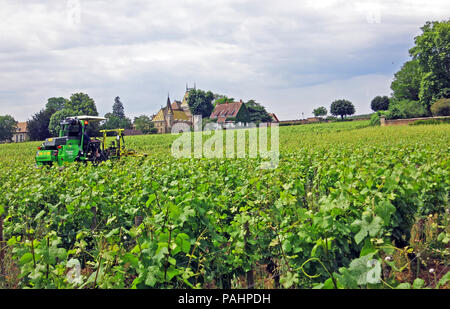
x=339, y=107
x=46, y=122
x=421, y=87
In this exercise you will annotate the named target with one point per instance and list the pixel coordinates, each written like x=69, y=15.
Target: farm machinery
x=73, y=144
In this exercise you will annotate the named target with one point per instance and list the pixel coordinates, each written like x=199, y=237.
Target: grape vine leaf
x=385, y=209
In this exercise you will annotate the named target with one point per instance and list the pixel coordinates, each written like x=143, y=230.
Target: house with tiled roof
x=230, y=112
x=21, y=134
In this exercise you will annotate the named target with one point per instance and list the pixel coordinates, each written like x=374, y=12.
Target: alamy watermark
x=372, y=10
x=229, y=140
x=373, y=275
x=73, y=12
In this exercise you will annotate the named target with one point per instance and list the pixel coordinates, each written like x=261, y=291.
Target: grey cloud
x=140, y=50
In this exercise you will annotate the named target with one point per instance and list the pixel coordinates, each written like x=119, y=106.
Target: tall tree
x=200, y=102
x=38, y=125
x=257, y=112
x=8, y=125
x=117, y=119
x=432, y=51
x=380, y=103
x=114, y=122
x=144, y=124
x=320, y=111
x=82, y=104
x=118, y=109
x=342, y=108
x=406, y=83
x=55, y=104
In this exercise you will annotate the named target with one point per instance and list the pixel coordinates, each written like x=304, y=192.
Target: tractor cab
x=71, y=128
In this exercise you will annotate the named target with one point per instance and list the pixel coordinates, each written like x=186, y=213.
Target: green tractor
x=73, y=144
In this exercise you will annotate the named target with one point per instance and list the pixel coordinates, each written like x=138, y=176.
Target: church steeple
x=169, y=105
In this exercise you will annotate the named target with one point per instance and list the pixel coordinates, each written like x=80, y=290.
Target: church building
x=173, y=113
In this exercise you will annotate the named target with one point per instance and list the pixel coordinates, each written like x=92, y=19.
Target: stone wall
x=301, y=121
x=132, y=132
x=399, y=122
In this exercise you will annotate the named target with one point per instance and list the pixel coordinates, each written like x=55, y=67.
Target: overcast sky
x=291, y=56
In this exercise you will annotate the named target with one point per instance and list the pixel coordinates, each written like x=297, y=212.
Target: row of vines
x=340, y=211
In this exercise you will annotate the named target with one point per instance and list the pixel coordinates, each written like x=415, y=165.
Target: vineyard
x=349, y=206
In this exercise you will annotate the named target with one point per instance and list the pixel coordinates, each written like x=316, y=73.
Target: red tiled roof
x=274, y=117
x=226, y=110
